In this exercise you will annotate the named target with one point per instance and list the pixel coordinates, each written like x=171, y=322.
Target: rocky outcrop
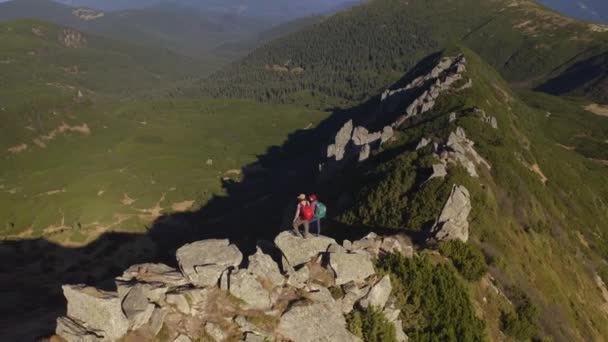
x=456, y=150
x=315, y=322
x=72, y=39
x=297, y=251
x=257, y=303
x=441, y=78
x=351, y=267
x=453, y=223
x=203, y=262
x=490, y=120
x=378, y=295
x=245, y=286
x=94, y=312
x=354, y=142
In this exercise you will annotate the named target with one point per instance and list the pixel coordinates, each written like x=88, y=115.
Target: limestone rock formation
x=297, y=251
x=203, y=262
x=452, y=223
x=313, y=323
x=245, y=286
x=351, y=266
x=378, y=295
x=263, y=267
x=100, y=313
x=155, y=297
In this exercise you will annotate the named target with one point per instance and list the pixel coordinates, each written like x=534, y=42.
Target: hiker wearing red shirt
x=304, y=213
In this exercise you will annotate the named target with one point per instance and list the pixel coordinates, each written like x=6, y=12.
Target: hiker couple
x=308, y=210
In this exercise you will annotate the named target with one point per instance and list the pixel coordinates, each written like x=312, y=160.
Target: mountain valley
x=151, y=162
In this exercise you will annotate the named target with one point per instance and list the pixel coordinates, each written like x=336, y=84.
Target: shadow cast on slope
x=255, y=208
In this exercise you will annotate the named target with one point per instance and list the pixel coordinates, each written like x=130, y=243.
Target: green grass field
x=139, y=160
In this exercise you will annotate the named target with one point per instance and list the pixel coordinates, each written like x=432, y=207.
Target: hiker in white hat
x=304, y=214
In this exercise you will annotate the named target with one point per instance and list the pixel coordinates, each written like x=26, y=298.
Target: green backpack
x=320, y=211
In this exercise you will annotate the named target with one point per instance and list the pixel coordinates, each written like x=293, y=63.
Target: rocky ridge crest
x=305, y=297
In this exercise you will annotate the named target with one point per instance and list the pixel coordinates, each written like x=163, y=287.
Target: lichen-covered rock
x=179, y=302
x=154, y=273
x=262, y=266
x=398, y=243
x=400, y=335
x=72, y=331
x=343, y=137
x=351, y=267
x=155, y=279
x=297, y=251
x=314, y=323
x=378, y=295
x=203, y=262
x=136, y=307
x=439, y=171
x=353, y=293
x=97, y=311
x=365, y=152
x=216, y=331
x=182, y=338
x=453, y=222
x=245, y=286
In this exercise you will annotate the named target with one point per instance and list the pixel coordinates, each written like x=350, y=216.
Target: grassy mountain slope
x=360, y=51
x=545, y=239
x=38, y=57
x=81, y=146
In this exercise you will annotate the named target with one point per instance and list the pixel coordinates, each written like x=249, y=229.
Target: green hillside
x=361, y=51
x=538, y=215
x=82, y=145
x=40, y=58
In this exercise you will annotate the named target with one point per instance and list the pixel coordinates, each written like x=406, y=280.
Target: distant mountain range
x=191, y=32
x=278, y=9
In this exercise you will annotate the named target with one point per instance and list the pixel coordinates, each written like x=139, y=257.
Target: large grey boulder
x=453, y=222
x=97, y=311
x=351, y=266
x=179, y=302
x=378, y=295
x=400, y=335
x=314, y=323
x=216, y=332
x=439, y=171
x=343, y=137
x=154, y=273
x=157, y=320
x=353, y=293
x=365, y=152
x=182, y=338
x=387, y=134
x=203, y=262
x=155, y=280
x=245, y=286
x=398, y=243
x=265, y=269
x=460, y=150
x=361, y=136
x=73, y=331
x=136, y=307
x=297, y=251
